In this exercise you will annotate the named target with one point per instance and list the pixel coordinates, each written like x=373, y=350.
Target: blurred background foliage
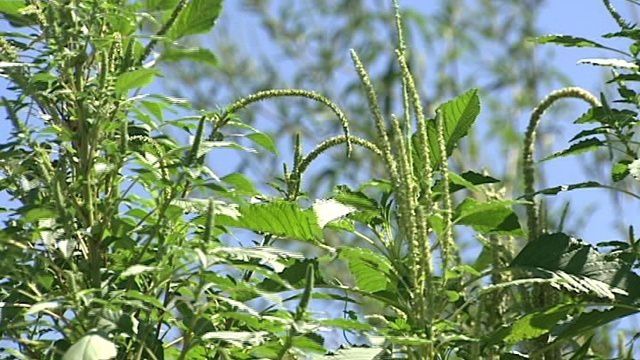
x=454, y=46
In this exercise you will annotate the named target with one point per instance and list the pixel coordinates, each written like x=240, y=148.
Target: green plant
x=122, y=243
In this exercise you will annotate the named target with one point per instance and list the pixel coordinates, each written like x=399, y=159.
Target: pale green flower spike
x=374, y=107
x=268, y=94
x=446, y=242
x=529, y=145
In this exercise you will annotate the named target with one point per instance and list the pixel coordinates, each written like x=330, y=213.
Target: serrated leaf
x=607, y=116
x=620, y=170
x=532, y=325
x=588, y=321
x=459, y=115
x=494, y=216
x=577, y=148
x=279, y=218
x=173, y=54
x=372, y=271
x=197, y=17
x=91, y=347
x=579, y=267
x=561, y=188
x=134, y=79
x=568, y=41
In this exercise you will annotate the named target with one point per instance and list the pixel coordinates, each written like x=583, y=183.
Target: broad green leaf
x=173, y=54
x=367, y=209
x=372, y=271
x=588, y=321
x=459, y=115
x=467, y=180
x=279, y=218
x=532, y=325
x=91, y=347
x=264, y=140
x=582, y=146
x=579, y=267
x=12, y=7
x=568, y=41
x=494, y=216
x=134, y=79
x=241, y=184
x=197, y=17
x=38, y=213
x=607, y=116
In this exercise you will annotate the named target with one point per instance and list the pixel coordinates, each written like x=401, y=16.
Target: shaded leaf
x=568, y=41
x=577, y=148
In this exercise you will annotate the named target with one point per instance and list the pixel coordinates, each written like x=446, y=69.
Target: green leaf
x=367, y=209
x=134, y=79
x=264, y=140
x=241, y=184
x=494, y=216
x=91, y=347
x=12, y=7
x=532, y=325
x=560, y=188
x=279, y=218
x=579, y=267
x=588, y=321
x=372, y=271
x=577, y=148
x=197, y=17
x=568, y=41
x=346, y=324
x=620, y=170
x=172, y=54
x=606, y=115
x=459, y=115
x=467, y=180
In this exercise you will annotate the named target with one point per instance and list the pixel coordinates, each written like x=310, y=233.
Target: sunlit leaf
x=279, y=218
x=134, y=79
x=494, y=216
x=372, y=271
x=198, y=17
x=91, y=347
